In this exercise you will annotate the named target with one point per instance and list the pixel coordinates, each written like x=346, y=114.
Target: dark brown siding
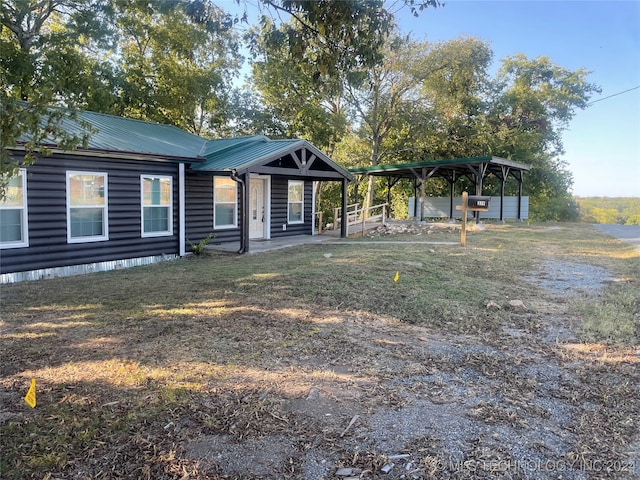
x=47, y=215
x=279, y=200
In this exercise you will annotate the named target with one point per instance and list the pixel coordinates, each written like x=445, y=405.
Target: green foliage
x=200, y=247
x=38, y=64
x=170, y=62
x=336, y=36
x=336, y=73
x=609, y=210
x=436, y=101
x=176, y=63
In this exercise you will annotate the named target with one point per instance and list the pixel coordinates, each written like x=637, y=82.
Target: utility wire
x=613, y=95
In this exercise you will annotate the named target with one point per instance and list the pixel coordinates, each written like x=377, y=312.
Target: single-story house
x=142, y=192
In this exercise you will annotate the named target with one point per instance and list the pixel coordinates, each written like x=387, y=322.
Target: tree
x=307, y=103
x=38, y=64
x=457, y=90
x=387, y=102
x=177, y=62
x=173, y=63
x=535, y=101
x=345, y=35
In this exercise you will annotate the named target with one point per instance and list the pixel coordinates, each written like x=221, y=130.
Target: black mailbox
x=478, y=203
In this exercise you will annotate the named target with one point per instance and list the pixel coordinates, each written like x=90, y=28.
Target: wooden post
x=463, y=229
x=344, y=232
x=422, y=193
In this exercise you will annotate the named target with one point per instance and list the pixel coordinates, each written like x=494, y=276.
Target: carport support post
x=343, y=223
x=415, y=198
x=520, y=198
x=422, y=193
x=452, y=192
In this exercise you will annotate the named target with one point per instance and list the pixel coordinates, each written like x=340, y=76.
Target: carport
x=476, y=169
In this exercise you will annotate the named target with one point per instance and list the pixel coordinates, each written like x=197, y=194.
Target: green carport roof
x=459, y=165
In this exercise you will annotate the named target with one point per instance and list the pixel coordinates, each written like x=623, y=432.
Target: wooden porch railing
x=375, y=214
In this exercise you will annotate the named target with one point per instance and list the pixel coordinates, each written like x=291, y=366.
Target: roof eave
x=106, y=153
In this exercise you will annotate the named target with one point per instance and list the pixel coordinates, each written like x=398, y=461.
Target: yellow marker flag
x=30, y=398
x=395, y=279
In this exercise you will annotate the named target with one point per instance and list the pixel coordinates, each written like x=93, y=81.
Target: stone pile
x=410, y=228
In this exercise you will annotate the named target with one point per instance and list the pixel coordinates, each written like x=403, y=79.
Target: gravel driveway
x=626, y=233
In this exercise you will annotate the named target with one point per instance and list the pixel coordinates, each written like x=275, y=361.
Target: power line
x=614, y=95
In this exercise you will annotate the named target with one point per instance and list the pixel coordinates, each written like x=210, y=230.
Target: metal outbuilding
x=476, y=169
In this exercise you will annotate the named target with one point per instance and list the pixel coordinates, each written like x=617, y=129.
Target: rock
x=328, y=255
x=491, y=305
x=348, y=472
x=400, y=456
x=517, y=306
x=414, y=264
x=387, y=468
x=314, y=393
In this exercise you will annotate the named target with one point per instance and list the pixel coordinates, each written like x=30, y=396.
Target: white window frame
x=163, y=233
x=105, y=208
x=235, y=205
x=22, y=172
x=290, y=184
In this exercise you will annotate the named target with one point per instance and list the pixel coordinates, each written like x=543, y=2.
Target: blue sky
x=603, y=37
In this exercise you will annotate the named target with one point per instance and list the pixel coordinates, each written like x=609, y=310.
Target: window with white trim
x=157, y=205
x=13, y=213
x=87, y=207
x=295, y=202
x=225, y=202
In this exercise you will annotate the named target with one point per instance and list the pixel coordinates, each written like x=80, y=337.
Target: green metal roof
x=218, y=146
x=246, y=151
x=241, y=154
x=138, y=138
x=407, y=169
x=130, y=136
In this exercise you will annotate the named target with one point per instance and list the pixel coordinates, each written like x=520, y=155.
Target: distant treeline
x=609, y=210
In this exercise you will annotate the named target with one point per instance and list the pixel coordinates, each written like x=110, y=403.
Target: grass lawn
x=134, y=366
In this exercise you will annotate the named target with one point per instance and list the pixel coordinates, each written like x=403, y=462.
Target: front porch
x=258, y=246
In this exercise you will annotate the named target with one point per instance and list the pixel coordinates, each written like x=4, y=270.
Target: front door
x=256, y=208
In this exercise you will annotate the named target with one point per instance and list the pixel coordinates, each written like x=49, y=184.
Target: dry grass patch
x=287, y=348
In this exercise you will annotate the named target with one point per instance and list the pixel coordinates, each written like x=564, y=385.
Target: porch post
x=343, y=223
x=246, y=200
x=181, y=210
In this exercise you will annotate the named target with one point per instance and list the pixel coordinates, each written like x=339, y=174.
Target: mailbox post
x=475, y=203
x=463, y=229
